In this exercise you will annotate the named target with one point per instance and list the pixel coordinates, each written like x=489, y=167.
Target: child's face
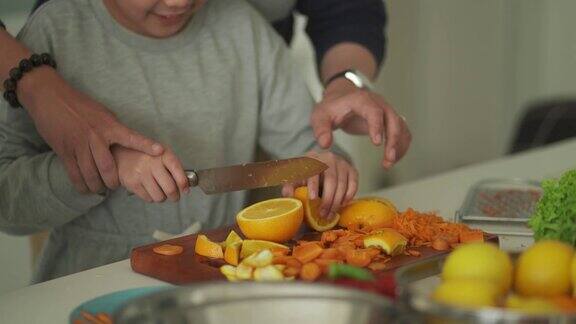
x=154, y=18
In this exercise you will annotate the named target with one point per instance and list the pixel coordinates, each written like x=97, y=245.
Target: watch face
x=359, y=79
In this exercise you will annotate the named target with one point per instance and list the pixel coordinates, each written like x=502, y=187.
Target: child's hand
x=152, y=178
x=339, y=183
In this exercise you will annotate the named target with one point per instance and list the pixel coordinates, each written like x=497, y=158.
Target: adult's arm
x=78, y=129
x=350, y=35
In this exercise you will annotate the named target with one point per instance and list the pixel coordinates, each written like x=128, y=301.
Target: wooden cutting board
x=187, y=267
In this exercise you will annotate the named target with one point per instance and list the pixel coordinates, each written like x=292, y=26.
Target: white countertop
x=52, y=301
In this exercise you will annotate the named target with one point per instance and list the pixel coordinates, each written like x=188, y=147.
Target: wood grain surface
x=187, y=267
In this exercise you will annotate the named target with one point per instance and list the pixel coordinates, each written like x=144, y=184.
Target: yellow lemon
x=544, y=269
x=533, y=305
x=387, y=239
x=467, y=293
x=374, y=213
x=276, y=220
x=479, y=261
x=573, y=269
x=312, y=213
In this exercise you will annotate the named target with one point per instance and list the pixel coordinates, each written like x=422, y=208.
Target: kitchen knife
x=255, y=175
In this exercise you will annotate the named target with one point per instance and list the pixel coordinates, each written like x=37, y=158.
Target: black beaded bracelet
x=25, y=65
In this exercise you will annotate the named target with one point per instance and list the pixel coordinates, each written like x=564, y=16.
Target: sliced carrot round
x=168, y=249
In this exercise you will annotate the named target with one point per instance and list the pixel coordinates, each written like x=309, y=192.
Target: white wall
x=463, y=70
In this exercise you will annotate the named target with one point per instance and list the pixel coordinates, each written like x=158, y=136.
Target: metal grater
x=501, y=206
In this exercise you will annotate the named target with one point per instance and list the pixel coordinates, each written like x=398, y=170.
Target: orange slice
x=168, y=249
x=373, y=213
x=387, y=239
x=276, y=220
x=208, y=248
x=250, y=247
x=311, y=211
x=232, y=253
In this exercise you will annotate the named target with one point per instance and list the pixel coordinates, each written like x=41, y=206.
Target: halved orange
x=276, y=220
x=387, y=239
x=370, y=212
x=311, y=211
x=204, y=246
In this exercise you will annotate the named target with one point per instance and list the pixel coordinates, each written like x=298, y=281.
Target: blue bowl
x=111, y=302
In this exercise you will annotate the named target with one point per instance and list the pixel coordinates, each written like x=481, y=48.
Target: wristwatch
x=356, y=77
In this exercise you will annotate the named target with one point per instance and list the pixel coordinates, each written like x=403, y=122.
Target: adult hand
x=359, y=111
x=79, y=130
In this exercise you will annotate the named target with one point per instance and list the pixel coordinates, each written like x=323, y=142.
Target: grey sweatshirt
x=212, y=93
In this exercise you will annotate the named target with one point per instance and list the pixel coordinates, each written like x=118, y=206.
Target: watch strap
x=354, y=76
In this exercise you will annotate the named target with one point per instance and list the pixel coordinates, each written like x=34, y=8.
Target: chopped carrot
x=319, y=243
x=372, y=252
x=310, y=271
x=344, y=247
x=471, y=236
x=105, y=318
x=440, y=245
x=294, y=263
x=307, y=252
x=90, y=318
x=332, y=253
x=423, y=228
x=414, y=253
x=291, y=272
x=279, y=252
x=328, y=236
x=359, y=258
x=281, y=259
x=359, y=242
x=168, y=249
x=324, y=263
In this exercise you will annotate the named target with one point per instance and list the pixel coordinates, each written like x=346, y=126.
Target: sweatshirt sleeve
x=285, y=102
x=35, y=191
x=331, y=22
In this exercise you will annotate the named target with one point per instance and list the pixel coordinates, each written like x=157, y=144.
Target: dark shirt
x=331, y=22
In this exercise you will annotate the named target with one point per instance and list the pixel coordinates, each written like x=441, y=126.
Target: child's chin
x=165, y=32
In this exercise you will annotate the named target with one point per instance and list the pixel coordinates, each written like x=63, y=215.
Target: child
x=211, y=81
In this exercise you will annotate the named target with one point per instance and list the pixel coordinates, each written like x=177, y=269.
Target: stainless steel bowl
x=416, y=284
x=250, y=302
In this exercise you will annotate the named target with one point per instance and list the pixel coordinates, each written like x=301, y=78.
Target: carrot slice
x=307, y=252
x=440, y=245
x=332, y=253
x=471, y=236
x=291, y=272
x=325, y=263
x=377, y=266
x=359, y=258
x=293, y=263
x=310, y=271
x=168, y=249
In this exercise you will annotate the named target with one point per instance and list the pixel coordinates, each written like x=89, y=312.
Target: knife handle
x=192, y=178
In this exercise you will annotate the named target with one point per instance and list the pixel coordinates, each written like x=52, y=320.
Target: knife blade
x=255, y=175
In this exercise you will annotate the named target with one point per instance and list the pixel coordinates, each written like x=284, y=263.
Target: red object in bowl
x=384, y=285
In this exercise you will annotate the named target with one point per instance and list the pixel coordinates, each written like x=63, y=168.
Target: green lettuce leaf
x=555, y=212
